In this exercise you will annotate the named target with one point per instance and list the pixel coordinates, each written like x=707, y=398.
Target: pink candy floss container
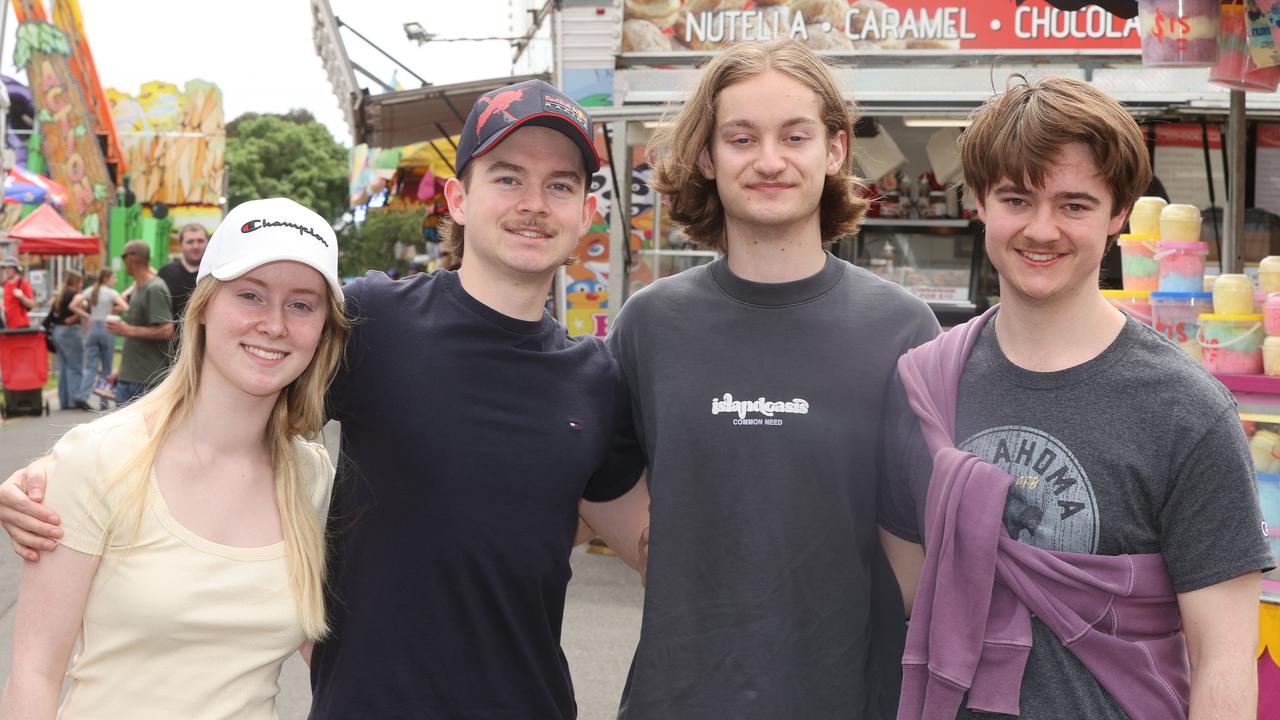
x=1236, y=69
x=1181, y=265
x=1231, y=344
x=1177, y=317
x=1138, y=267
x=1271, y=314
x=1179, y=33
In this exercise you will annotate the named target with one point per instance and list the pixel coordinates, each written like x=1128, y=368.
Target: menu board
x=1179, y=164
x=1266, y=178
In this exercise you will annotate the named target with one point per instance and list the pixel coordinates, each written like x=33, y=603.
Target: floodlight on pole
x=415, y=32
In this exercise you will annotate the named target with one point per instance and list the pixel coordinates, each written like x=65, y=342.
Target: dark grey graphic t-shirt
x=1135, y=451
x=1051, y=504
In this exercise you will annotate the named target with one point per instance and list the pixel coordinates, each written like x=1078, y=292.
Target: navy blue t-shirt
x=468, y=438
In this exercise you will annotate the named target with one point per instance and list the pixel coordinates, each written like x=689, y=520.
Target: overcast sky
x=261, y=54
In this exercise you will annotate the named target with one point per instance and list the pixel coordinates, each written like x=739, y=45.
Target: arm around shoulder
x=620, y=522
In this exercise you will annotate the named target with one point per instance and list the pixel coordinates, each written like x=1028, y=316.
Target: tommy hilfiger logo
x=302, y=229
x=767, y=408
x=575, y=425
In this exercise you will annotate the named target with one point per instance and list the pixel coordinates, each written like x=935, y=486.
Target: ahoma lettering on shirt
x=767, y=408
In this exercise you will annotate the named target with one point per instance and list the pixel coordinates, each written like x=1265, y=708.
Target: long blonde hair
x=298, y=411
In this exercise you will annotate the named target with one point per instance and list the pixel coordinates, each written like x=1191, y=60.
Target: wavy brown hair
x=1018, y=135
x=692, y=200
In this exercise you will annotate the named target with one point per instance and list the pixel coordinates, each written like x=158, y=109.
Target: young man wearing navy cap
x=457, y=501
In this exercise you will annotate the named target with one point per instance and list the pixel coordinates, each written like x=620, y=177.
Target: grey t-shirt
x=146, y=361
x=1138, y=450
x=760, y=409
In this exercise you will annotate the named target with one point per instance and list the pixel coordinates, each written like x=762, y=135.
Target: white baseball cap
x=261, y=231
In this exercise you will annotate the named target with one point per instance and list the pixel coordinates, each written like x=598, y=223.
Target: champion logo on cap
x=302, y=229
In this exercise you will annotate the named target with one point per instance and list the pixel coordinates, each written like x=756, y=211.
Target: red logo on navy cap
x=499, y=103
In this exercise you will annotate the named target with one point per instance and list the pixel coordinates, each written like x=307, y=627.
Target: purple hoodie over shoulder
x=971, y=621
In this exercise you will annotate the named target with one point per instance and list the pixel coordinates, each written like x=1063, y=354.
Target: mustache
x=529, y=227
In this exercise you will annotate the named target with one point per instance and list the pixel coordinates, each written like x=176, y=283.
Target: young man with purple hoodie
x=1077, y=499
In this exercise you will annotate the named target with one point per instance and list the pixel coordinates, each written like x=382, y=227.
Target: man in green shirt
x=147, y=331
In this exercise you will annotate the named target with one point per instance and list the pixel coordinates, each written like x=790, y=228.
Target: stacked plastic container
x=1138, y=248
x=1179, y=33
x=1171, y=259
x=1269, y=285
x=1140, y=272
x=1177, y=315
x=1236, y=68
x=1164, y=276
x=1231, y=336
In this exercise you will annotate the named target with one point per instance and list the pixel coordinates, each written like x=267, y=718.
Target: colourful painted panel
x=174, y=141
x=69, y=144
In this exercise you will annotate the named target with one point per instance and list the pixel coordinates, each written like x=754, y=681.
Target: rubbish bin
x=24, y=369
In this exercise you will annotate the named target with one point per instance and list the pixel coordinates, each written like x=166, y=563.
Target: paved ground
x=602, y=614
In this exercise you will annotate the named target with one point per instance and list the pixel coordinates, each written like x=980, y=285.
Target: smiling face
x=770, y=154
x=524, y=206
x=1047, y=242
x=262, y=329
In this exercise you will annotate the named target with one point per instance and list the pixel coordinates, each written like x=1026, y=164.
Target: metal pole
x=386, y=54
x=619, y=219
x=557, y=49
x=4, y=110
x=1233, y=225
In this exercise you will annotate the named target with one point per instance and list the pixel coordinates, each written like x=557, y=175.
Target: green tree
x=288, y=155
x=371, y=244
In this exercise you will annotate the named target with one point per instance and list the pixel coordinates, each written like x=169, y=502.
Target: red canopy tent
x=44, y=232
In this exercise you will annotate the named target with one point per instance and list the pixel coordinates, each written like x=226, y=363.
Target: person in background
x=148, y=330
x=68, y=339
x=180, y=274
x=1077, y=489
x=18, y=298
x=99, y=345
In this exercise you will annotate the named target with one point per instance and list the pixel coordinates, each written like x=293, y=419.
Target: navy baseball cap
x=498, y=113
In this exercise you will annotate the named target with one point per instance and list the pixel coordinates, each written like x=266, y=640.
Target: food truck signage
x=875, y=25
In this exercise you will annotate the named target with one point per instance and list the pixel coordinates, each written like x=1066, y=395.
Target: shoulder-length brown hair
x=692, y=200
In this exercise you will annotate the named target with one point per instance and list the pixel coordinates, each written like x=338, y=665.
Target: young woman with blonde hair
x=194, y=562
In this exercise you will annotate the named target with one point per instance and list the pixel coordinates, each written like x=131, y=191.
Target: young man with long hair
x=758, y=383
